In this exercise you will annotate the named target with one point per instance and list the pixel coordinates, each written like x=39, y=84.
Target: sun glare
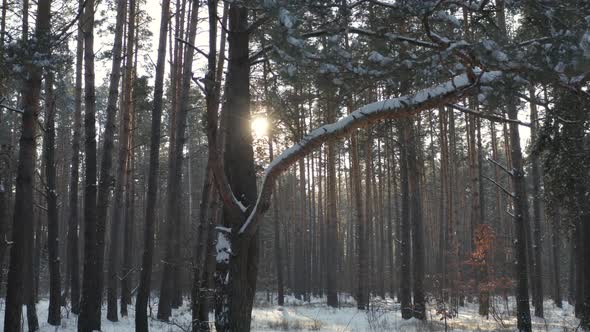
x=259, y=126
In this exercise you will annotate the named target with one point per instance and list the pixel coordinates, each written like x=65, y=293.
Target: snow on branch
x=2, y=105
x=395, y=108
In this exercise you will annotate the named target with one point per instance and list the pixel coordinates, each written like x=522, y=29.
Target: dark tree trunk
x=537, y=242
x=90, y=305
x=236, y=293
x=20, y=276
x=105, y=182
x=124, y=138
x=143, y=293
x=416, y=219
x=73, y=259
x=556, y=251
x=54, y=314
x=520, y=220
x=405, y=292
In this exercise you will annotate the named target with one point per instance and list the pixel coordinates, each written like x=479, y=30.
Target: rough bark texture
x=90, y=305
x=19, y=274
x=236, y=296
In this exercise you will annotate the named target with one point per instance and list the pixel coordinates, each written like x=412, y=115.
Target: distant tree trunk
x=520, y=219
x=143, y=293
x=368, y=236
x=73, y=259
x=54, y=313
x=332, y=216
x=556, y=251
x=537, y=239
x=20, y=276
x=122, y=165
x=127, y=269
x=277, y=241
x=362, y=296
x=419, y=311
x=405, y=292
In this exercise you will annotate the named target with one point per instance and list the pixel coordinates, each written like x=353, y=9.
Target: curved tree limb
x=395, y=108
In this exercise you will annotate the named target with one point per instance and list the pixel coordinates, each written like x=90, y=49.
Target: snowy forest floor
x=384, y=315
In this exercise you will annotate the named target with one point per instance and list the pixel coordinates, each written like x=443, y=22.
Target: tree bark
x=520, y=219
x=73, y=259
x=90, y=305
x=122, y=165
x=419, y=311
x=237, y=279
x=141, y=319
x=537, y=214
x=405, y=292
x=172, y=261
x=54, y=313
x=19, y=283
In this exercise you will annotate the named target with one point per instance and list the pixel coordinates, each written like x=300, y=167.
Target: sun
x=259, y=126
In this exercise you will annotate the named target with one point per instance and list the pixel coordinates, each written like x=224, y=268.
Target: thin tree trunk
x=556, y=251
x=54, y=313
x=520, y=220
x=73, y=259
x=172, y=260
x=537, y=242
x=141, y=319
x=405, y=245
x=419, y=311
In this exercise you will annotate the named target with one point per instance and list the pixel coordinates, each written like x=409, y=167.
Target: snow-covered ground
x=316, y=316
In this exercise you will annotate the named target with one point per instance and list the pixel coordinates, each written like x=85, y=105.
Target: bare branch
x=487, y=116
x=502, y=167
x=2, y=105
x=499, y=186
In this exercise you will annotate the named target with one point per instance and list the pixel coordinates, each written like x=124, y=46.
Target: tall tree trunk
x=19, y=284
x=143, y=293
x=419, y=311
x=332, y=216
x=106, y=166
x=173, y=217
x=238, y=283
x=537, y=242
x=405, y=292
x=54, y=313
x=90, y=305
x=122, y=164
x=73, y=259
x=521, y=209
x=276, y=227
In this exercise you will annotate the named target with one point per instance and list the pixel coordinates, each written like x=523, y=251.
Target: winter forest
x=310, y=165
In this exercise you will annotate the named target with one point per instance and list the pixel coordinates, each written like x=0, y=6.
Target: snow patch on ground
x=314, y=315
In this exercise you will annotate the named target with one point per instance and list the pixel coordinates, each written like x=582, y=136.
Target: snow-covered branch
x=2, y=105
x=395, y=108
